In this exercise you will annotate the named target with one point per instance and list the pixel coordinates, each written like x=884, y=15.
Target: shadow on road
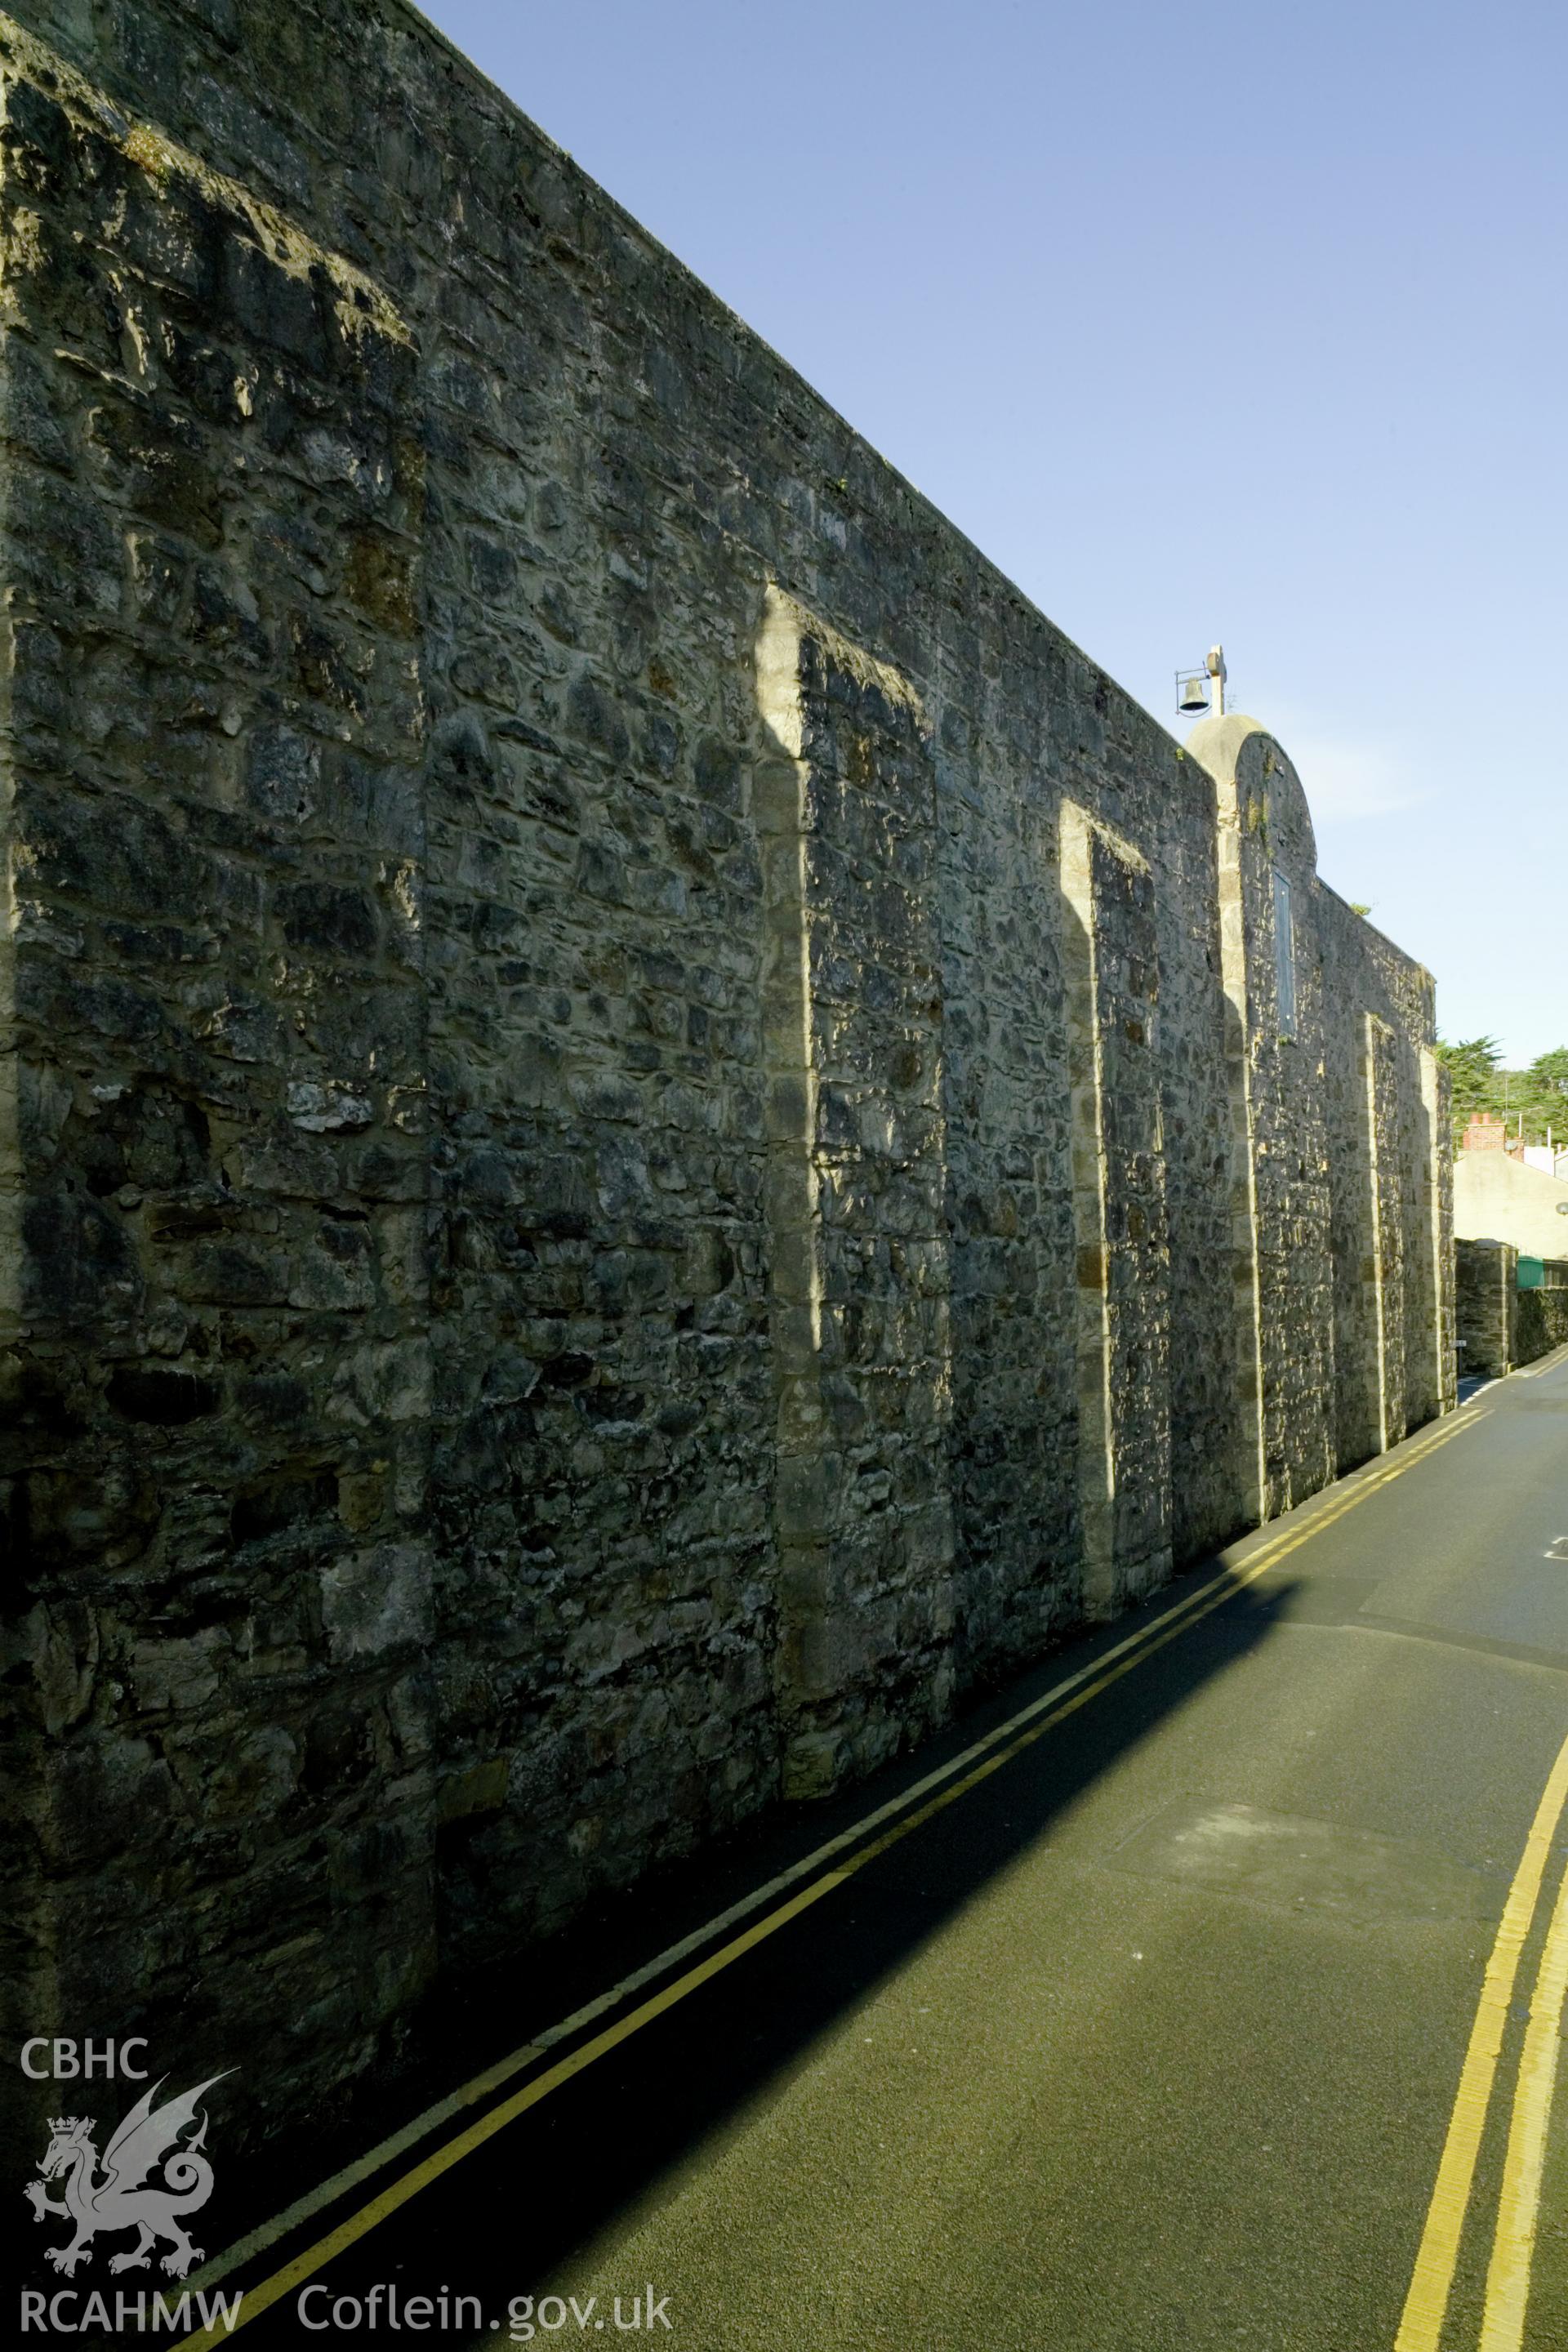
x=514, y=2212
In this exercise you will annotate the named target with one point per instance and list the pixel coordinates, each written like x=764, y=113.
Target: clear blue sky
x=1238, y=322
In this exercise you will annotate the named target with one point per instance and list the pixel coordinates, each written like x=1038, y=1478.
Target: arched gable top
x=1257, y=788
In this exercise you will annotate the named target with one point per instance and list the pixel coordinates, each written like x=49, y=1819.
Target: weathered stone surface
x=1500, y=1325
x=207, y=976
x=645, y=1128
x=1487, y=1307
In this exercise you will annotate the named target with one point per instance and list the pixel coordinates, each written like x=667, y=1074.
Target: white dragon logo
x=119, y=2201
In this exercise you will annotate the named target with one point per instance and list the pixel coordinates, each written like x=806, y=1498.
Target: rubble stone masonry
x=645, y=1129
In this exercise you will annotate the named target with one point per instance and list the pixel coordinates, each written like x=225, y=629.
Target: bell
x=1193, y=693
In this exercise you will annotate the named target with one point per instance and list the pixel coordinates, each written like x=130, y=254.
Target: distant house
x=1502, y=1198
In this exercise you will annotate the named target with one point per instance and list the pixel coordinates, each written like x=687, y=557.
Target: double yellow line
x=1513, y=2244
x=854, y=1849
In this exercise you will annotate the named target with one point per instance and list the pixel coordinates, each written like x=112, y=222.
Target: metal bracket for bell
x=1203, y=689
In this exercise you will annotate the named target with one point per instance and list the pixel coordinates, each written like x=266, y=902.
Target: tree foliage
x=1538, y=1095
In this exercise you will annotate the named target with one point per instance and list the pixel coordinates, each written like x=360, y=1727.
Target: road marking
x=1231, y=1579
x=1513, y=2248
x=1421, y=2323
x=1064, y=1698
x=1554, y=1363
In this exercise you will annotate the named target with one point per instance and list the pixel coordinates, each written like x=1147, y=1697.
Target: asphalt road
x=1150, y=2038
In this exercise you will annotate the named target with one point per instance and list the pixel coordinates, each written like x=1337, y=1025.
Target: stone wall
x=1540, y=1322
x=1486, y=1303
x=1500, y=1325
x=647, y=1130
x=1341, y=1179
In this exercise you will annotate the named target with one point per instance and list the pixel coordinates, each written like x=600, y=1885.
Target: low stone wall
x=1540, y=1323
x=1500, y=1325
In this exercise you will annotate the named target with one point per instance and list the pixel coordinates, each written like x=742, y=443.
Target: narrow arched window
x=1284, y=956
